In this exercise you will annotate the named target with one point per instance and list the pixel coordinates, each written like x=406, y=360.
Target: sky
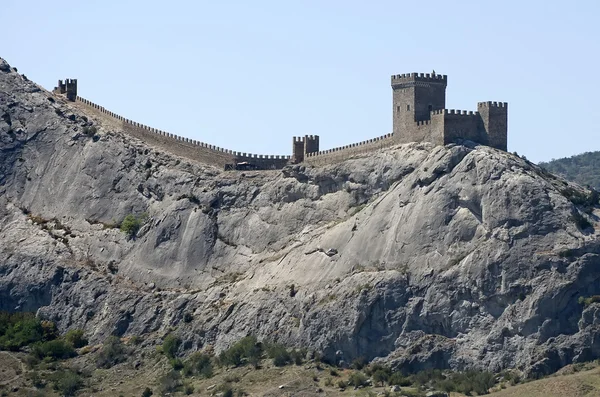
x=250, y=75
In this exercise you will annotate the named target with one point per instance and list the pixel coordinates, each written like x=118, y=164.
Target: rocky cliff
x=456, y=256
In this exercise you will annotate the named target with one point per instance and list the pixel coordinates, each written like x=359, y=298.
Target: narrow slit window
x=407, y=107
x=397, y=109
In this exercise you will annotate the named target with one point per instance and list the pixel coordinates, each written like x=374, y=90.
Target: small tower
x=302, y=146
x=68, y=87
x=415, y=95
x=494, y=116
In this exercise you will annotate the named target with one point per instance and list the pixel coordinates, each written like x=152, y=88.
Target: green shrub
x=297, y=356
x=380, y=376
x=36, y=380
x=357, y=379
x=171, y=345
x=198, y=364
x=341, y=384
x=279, y=354
x=359, y=363
x=67, y=382
x=75, y=338
x=55, y=350
x=22, y=329
x=398, y=379
x=245, y=350
x=112, y=353
x=328, y=382
x=467, y=382
x=135, y=340
x=171, y=382
x=188, y=389
x=131, y=224
x=176, y=363
x=333, y=372
x=589, y=300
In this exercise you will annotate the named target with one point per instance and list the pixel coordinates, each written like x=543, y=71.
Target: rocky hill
x=583, y=168
x=457, y=256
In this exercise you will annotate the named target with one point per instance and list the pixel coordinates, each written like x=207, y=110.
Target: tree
x=171, y=345
x=380, y=376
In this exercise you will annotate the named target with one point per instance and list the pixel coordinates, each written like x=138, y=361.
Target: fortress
x=419, y=115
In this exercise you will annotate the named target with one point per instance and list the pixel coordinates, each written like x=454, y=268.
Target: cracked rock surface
x=457, y=256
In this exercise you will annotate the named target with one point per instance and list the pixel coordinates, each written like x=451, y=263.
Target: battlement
x=490, y=104
x=408, y=78
x=457, y=112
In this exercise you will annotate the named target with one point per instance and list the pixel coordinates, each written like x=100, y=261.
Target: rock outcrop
x=425, y=256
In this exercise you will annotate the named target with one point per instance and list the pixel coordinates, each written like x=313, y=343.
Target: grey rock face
x=460, y=257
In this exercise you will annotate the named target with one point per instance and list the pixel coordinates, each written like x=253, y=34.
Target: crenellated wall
x=462, y=124
x=345, y=152
x=189, y=148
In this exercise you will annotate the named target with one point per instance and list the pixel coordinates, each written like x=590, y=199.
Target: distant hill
x=583, y=169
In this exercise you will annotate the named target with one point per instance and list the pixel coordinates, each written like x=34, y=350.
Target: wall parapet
x=490, y=104
x=166, y=137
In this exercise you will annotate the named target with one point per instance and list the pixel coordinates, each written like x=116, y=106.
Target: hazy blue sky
x=249, y=75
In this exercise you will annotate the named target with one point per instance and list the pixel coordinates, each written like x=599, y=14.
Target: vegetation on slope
x=583, y=169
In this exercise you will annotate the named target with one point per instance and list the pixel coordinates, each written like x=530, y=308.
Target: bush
x=135, y=340
x=398, y=379
x=22, y=329
x=90, y=131
x=467, y=382
x=581, y=222
x=341, y=384
x=170, y=345
x=297, y=356
x=67, y=382
x=36, y=380
x=171, y=382
x=279, y=354
x=359, y=363
x=245, y=350
x=198, y=364
x=176, y=363
x=113, y=352
x=55, y=350
x=589, y=300
x=131, y=224
x=380, y=376
x=357, y=379
x=147, y=392
x=75, y=338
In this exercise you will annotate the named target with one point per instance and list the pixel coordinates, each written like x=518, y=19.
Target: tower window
x=407, y=107
x=397, y=109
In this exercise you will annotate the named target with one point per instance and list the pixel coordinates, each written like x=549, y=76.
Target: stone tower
x=301, y=146
x=494, y=116
x=415, y=96
x=68, y=87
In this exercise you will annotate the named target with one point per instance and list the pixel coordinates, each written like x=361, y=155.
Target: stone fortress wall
x=419, y=114
x=189, y=148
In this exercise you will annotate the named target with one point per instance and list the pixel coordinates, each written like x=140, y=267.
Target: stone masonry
x=419, y=114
